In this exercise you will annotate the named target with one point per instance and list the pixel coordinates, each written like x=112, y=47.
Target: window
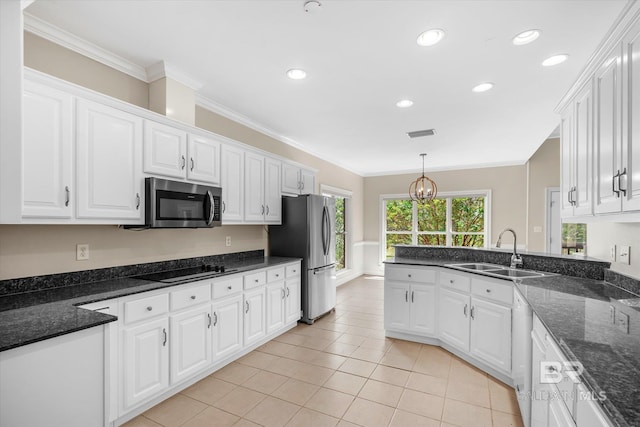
x=341, y=221
x=453, y=219
x=574, y=238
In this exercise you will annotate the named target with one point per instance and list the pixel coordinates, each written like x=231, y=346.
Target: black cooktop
x=205, y=271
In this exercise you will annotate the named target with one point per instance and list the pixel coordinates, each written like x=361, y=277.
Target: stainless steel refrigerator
x=308, y=232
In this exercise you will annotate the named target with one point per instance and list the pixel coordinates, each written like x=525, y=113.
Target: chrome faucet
x=516, y=260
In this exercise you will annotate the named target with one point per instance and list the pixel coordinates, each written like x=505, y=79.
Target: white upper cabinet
x=47, y=152
x=630, y=181
x=203, y=162
x=232, y=183
x=272, y=193
x=165, y=150
x=297, y=180
x=262, y=195
x=108, y=155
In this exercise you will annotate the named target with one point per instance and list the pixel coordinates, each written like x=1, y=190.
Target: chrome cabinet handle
x=262, y=209
x=622, y=190
x=224, y=207
x=247, y=304
x=193, y=297
x=192, y=164
x=573, y=195
x=616, y=178
x=267, y=209
x=472, y=315
x=412, y=296
x=284, y=293
x=302, y=185
x=184, y=162
x=569, y=196
x=287, y=292
x=215, y=318
x=137, y=201
x=149, y=308
x=465, y=310
x=164, y=331
x=406, y=296
x=209, y=324
x=67, y=195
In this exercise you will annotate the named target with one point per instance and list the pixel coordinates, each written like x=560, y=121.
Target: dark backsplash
x=625, y=282
x=50, y=281
x=588, y=269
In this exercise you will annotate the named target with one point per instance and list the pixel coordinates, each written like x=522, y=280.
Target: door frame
x=547, y=201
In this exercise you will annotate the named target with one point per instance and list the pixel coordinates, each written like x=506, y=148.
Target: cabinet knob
x=277, y=275
x=408, y=275
x=149, y=308
x=451, y=281
x=229, y=287
x=488, y=291
x=256, y=280
x=193, y=297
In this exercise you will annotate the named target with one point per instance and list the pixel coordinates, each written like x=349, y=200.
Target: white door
x=396, y=306
x=607, y=134
x=254, y=205
x=232, y=183
x=276, y=295
x=491, y=334
x=272, y=191
x=290, y=179
x=307, y=182
x=554, y=224
x=630, y=114
x=165, y=150
x=145, y=359
x=227, y=327
x=108, y=156
x=292, y=303
x=190, y=343
x=254, y=316
x=47, y=152
x=423, y=309
x=204, y=160
x=567, y=161
x=583, y=193
x=454, y=318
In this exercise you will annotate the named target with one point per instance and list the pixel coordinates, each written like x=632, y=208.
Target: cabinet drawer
x=455, y=281
x=275, y=274
x=254, y=280
x=499, y=292
x=190, y=296
x=293, y=270
x=145, y=308
x=410, y=274
x=561, y=374
x=225, y=287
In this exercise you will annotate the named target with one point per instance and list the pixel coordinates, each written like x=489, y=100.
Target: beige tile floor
x=342, y=371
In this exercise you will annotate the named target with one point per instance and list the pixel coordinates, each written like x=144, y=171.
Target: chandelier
x=423, y=189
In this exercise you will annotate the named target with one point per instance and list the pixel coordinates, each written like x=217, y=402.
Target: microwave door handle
x=211, y=208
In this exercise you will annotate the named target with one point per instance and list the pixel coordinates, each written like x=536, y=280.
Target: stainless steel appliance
x=188, y=274
x=174, y=204
x=308, y=232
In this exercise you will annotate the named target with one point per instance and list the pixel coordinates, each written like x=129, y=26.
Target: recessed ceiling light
x=482, y=87
x=430, y=37
x=296, y=74
x=404, y=103
x=555, y=60
x=526, y=37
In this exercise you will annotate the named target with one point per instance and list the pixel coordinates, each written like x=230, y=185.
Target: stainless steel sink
x=479, y=267
x=512, y=272
x=498, y=270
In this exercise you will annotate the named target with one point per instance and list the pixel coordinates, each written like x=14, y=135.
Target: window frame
x=449, y=233
x=347, y=195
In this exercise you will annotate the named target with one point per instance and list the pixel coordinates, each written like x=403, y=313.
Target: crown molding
x=70, y=41
x=164, y=69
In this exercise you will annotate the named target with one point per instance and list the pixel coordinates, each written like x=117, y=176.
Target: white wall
x=601, y=236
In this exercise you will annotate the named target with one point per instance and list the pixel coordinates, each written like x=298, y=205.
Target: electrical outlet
x=227, y=241
x=622, y=320
x=624, y=255
x=82, y=252
x=612, y=253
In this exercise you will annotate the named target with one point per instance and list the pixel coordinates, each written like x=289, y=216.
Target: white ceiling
x=361, y=57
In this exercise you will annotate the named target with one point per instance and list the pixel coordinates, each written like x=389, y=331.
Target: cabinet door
x=227, y=327
x=583, y=190
x=567, y=162
x=190, y=343
x=491, y=334
x=307, y=182
x=454, y=318
x=396, y=306
x=607, y=133
x=290, y=179
x=276, y=295
x=540, y=392
x=254, y=207
x=204, y=160
x=108, y=155
x=423, y=309
x=631, y=119
x=232, y=183
x=47, y=156
x=145, y=360
x=272, y=194
x=165, y=150
x=292, y=302
x=559, y=415
x=254, y=316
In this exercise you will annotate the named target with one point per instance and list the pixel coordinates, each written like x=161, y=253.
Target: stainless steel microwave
x=174, y=204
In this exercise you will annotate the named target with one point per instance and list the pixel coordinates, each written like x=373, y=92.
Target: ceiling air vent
x=419, y=133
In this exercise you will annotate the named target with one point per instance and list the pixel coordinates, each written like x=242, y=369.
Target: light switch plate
x=82, y=252
x=612, y=253
x=622, y=320
x=624, y=255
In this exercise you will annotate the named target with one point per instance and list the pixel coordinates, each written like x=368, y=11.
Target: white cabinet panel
x=290, y=178
x=396, y=306
x=254, y=316
x=190, y=342
x=47, y=152
x=423, y=309
x=254, y=187
x=108, y=155
x=276, y=295
x=491, y=333
x=272, y=191
x=204, y=160
x=227, y=327
x=454, y=318
x=307, y=182
x=292, y=303
x=165, y=150
x=145, y=370
x=583, y=153
x=631, y=119
x=232, y=182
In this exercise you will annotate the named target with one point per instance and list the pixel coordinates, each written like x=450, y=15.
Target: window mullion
x=414, y=224
x=449, y=239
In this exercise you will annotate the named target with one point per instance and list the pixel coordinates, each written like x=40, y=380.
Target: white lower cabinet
x=454, y=318
x=227, y=327
x=145, y=361
x=190, y=342
x=491, y=333
x=410, y=300
x=254, y=316
x=292, y=289
x=276, y=296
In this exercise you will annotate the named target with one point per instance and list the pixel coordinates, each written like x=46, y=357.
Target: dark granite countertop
x=35, y=316
x=577, y=313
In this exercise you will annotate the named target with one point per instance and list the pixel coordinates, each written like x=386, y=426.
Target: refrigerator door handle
x=324, y=230
x=328, y=231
